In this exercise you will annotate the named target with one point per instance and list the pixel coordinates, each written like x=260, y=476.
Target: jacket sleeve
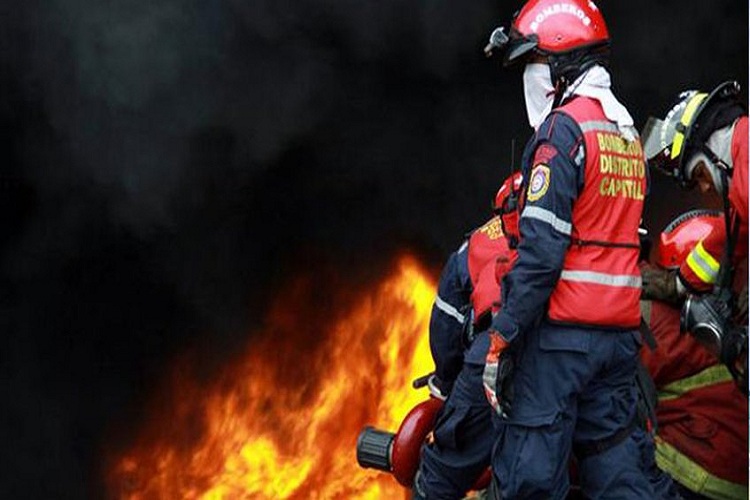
x=553, y=178
x=448, y=317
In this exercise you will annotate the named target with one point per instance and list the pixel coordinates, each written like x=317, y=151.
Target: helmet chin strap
x=561, y=86
x=720, y=173
x=726, y=269
x=568, y=68
x=718, y=169
x=716, y=178
x=715, y=153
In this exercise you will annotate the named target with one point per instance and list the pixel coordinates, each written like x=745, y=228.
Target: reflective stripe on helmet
x=449, y=309
x=549, y=217
x=703, y=264
x=619, y=280
x=716, y=374
x=694, y=477
x=687, y=117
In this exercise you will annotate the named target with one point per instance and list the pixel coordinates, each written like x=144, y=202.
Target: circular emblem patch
x=538, y=182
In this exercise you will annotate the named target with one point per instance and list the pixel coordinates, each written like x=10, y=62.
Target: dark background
x=168, y=164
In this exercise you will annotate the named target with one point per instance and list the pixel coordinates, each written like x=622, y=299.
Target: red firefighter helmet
x=683, y=233
x=571, y=34
x=511, y=184
x=554, y=27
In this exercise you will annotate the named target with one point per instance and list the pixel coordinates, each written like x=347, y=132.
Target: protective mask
x=538, y=93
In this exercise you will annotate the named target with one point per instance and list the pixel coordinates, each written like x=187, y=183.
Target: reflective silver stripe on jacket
x=622, y=280
x=449, y=309
x=602, y=125
x=549, y=217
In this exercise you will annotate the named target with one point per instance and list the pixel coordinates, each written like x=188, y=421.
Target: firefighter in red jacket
x=701, y=415
x=468, y=293
x=570, y=312
x=703, y=141
x=467, y=296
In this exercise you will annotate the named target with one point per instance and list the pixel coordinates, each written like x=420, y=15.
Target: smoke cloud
x=172, y=162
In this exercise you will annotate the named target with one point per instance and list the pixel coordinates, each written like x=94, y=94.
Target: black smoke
x=168, y=164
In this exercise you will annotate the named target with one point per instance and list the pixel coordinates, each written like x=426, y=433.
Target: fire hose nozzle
x=374, y=448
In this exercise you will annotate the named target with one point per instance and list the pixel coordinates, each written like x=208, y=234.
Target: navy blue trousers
x=571, y=387
x=464, y=433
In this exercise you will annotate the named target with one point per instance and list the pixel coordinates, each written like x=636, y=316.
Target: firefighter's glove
x=659, y=284
x=498, y=367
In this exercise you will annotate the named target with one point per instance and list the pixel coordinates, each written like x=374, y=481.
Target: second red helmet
x=682, y=234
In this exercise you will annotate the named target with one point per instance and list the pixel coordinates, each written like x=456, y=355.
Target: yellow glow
x=282, y=421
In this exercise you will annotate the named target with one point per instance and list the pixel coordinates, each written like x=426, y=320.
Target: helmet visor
x=657, y=137
x=514, y=48
x=519, y=48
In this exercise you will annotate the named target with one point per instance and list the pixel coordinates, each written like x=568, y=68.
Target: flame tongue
x=282, y=422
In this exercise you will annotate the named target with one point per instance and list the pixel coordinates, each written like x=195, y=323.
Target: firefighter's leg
x=463, y=439
x=531, y=457
x=662, y=484
x=532, y=462
x=609, y=455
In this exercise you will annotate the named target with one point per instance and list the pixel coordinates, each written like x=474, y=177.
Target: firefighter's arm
x=447, y=317
x=661, y=284
x=554, y=178
x=701, y=268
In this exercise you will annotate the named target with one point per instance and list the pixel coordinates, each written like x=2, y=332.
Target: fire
x=282, y=420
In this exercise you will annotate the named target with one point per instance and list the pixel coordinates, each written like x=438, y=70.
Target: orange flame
x=282, y=422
